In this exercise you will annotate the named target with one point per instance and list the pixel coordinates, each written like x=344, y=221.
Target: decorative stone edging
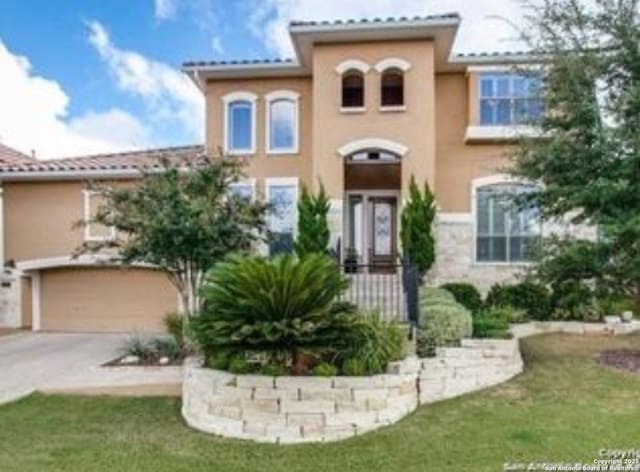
x=289, y=410
x=313, y=409
x=573, y=327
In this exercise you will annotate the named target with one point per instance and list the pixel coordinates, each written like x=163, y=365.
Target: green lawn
x=565, y=407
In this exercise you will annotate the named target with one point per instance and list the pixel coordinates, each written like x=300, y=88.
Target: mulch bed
x=623, y=359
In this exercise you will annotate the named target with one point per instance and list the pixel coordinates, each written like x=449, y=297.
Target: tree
x=589, y=160
x=313, y=229
x=416, y=228
x=182, y=219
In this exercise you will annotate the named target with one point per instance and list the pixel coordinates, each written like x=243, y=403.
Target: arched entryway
x=372, y=185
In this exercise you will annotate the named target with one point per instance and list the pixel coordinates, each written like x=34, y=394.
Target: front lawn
x=565, y=407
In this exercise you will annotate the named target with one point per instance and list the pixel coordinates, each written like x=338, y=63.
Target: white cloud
x=165, y=9
x=216, y=45
x=34, y=116
x=483, y=27
x=168, y=94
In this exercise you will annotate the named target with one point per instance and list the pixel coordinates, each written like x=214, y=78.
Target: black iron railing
x=391, y=290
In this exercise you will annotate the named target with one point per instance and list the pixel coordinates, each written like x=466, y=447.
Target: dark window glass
x=353, y=90
x=392, y=88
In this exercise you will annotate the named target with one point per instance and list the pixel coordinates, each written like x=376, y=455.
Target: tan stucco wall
x=261, y=165
x=457, y=163
x=105, y=300
x=39, y=219
x=414, y=128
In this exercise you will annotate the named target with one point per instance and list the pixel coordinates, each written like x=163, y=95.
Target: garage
x=90, y=299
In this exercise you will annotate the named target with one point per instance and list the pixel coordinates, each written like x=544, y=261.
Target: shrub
x=533, y=298
x=273, y=369
x=239, y=365
x=354, y=367
x=279, y=306
x=175, y=326
x=487, y=327
x=570, y=300
x=434, y=295
x=443, y=324
x=166, y=347
x=374, y=342
x=465, y=294
x=324, y=369
x=416, y=227
x=492, y=323
x=135, y=346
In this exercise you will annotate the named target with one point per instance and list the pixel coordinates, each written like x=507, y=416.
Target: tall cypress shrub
x=416, y=227
x=313, y=229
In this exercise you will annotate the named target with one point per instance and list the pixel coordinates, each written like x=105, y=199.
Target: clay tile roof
x=133, y=160
x=236, y=62
x=401, y=19
x=338, y=22
x=11, y=156
x=496, y=54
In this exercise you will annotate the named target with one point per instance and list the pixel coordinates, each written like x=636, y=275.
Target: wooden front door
x=382, y=235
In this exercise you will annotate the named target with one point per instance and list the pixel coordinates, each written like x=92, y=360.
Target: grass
x=565, y=407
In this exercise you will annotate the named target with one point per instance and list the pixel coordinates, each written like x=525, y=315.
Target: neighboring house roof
x=100, y=165
x=11, y=156
x=441, y=28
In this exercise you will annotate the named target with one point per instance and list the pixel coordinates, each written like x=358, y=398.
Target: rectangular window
x=240, y=126
x=282, y=195
x=243, y=190
x=509, y=99
x=95, y=231
x=504, y=233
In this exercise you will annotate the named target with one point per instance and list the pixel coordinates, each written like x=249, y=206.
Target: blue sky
x=85, y=76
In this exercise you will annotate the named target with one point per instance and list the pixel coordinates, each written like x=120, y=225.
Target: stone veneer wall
x=314, y=409
x=455, y=261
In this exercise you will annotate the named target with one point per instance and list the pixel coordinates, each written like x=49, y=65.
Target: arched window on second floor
x=392, y=88
x=353, y=89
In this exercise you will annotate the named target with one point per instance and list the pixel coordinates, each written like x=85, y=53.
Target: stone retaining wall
x=476, y=365
x=313, y=409
x=296, y=409
x=573, y=327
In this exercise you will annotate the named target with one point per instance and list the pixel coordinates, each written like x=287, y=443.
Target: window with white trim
x=244, y=190
x=240, y=123
x=353, y=89
x=282, y=122
x=392, y=88
x=509, y=99
x=94, y=231
x=504, y=231
x=282, y=196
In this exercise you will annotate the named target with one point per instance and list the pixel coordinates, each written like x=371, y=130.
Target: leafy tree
x=589, y=159
x=313, y=229
x=183, y=219
x=416, y=227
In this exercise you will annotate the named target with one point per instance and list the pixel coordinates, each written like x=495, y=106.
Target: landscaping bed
x=623, y=359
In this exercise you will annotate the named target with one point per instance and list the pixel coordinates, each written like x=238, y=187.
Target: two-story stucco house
x=363, y=107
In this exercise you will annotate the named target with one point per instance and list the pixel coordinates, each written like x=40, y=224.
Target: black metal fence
x=390, y=289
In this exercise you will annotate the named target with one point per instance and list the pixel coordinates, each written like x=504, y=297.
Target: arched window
x=353, y=89
x=505, y=232
x=239, y=121
x=282, y=122
x=392, y=88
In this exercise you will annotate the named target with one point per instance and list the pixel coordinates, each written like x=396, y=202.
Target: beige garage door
x=105, y=300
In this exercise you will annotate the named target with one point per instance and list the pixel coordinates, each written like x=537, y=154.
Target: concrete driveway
x=40, y=361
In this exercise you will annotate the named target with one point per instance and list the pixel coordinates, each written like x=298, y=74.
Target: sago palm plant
x=282, y=306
